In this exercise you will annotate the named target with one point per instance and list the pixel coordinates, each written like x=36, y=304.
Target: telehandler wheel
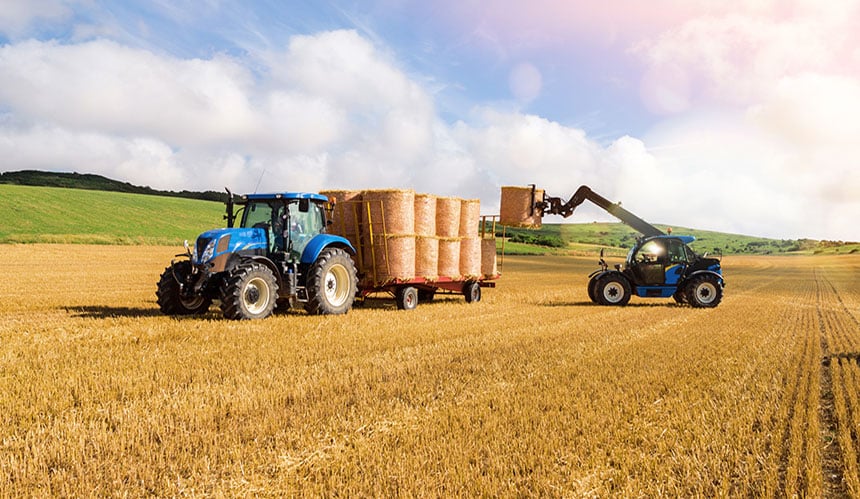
x=612, y=289
x=592, y=294
x=704, y=291
x=406, y=298
x=680, y=296
x=331, y=283
x=169, y=293
x=472, y=291
x=249, y=292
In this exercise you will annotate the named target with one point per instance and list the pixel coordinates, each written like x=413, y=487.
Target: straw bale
x=394, y=256
x=448, y=217
x=392, y=211
x=470, y=257
x=427, y=257
x=449, y=257
x=488, y=258
x=344, y=221
x=470, y=215
x=516, y=206
x=425, y=215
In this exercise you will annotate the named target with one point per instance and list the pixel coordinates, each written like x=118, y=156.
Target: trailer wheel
x=406, y=298
x=249, y=292
x=472, y=291
x=169, y=292
x=704, y=291
x=592, y=294
x=612, y=289
x=331, y=283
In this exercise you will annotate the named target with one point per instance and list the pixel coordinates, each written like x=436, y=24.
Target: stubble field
x=532, y=391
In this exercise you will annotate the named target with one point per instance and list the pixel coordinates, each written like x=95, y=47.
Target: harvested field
x=532, y=391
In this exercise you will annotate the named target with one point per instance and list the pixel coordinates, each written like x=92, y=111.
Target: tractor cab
x=289, y=222
x=660, y=260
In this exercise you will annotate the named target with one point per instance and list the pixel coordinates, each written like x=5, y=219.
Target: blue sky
x=739, y=118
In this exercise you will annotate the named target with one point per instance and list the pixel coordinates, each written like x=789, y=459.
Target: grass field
x=532, y=391
x=58, y=215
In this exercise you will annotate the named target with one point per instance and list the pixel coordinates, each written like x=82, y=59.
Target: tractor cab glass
x=648, y=262
x=289, y=224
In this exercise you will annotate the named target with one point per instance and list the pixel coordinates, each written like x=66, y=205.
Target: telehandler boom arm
x=555, y=206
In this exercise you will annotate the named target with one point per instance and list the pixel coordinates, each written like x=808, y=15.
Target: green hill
x=59, y=215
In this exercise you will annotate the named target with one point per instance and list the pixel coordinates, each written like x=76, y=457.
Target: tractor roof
x=285, y=195
x=684, y=239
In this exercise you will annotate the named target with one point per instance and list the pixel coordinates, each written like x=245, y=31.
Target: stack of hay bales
x=426, y=241
x=414, y=236
x=392, y=224
x=517, y=208
x=470, y=240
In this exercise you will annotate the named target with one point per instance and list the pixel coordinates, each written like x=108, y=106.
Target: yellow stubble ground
x=532, y=391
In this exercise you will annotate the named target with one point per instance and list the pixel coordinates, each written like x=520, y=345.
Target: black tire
x=331, y=283
x=704, y=291
x=472, y=292
x=680, y=296
x=592, y=294
x=406, y=298
x=612, y=289
x=425, y=295
x=249, y=292
x=169, y=292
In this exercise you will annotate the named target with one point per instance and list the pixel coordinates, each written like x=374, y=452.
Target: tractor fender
x=702, y=272
x=263, y=260
x=322, y=241
x=598, y=274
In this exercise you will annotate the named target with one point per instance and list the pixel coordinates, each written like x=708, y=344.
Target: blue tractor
x=279, y=255
x=659, y=265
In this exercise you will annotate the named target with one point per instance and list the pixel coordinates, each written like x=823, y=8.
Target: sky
x=740, y=117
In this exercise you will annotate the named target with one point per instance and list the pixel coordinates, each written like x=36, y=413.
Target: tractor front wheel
x=612, y=289
x=704, y=291
x=171, y=300
x=592, y=294
x=332, y=283
x=249, y=292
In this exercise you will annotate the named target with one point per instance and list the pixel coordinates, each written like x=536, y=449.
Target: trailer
x=413, y=247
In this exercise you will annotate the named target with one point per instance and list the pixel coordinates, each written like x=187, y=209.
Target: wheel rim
x=706, y=293
x=335, y=285
x=409, y=300
x=613, y=292
x=256, y=295
x=192, y=302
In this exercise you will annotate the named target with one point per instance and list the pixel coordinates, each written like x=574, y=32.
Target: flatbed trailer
x=375, y=247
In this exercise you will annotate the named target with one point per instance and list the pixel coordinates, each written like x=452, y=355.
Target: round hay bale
x=449, y=257
x=448, y=217
x=394, y=257
x=516, y=207
x=347, y=213
x=470, y=257
x=425, y=215
x=488, y=258
x=470, y=217
x=427, y=257
x=392, y=211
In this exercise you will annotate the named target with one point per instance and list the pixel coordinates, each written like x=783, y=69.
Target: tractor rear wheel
x=331, y=283
x=704, y=291
x=612, y=289
x=249, y=292
x=170, y=298
x=406, y=297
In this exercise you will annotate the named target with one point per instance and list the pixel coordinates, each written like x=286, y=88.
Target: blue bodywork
x=322, y=241
x=212, y=243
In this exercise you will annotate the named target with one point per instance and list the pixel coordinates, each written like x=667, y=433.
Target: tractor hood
x=221, y=242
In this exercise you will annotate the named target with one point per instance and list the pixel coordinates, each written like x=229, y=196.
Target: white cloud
x=17, y=16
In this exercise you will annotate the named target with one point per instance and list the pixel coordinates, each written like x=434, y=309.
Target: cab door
x=676, y=261
x=649, y=263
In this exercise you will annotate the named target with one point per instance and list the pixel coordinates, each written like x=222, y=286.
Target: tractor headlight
x=208, y=252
